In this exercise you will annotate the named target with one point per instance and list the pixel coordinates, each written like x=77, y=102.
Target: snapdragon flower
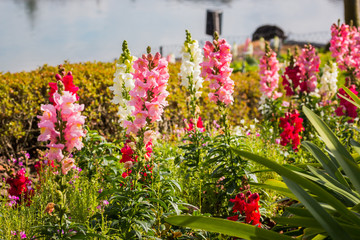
x=190, y=69
x=309, y=63
x=328, y=80
x=269, y=76
x=345, y=47
x=149, y=94
x=123, y=84
x=216, y=69
x=62, y=122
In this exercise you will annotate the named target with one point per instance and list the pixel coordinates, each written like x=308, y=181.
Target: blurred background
x=35, y=32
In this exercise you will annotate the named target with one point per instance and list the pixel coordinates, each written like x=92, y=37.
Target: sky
x=35, y=32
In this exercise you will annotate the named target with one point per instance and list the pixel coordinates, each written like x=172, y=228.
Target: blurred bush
x=21, y=95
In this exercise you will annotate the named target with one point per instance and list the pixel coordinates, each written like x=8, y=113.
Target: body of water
x=35, y=32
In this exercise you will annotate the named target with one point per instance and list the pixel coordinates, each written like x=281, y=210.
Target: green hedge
x=21, y=95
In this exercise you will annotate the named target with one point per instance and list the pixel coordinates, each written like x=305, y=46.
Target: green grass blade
x=323, y=217
x=227, y=227
x=334, y=145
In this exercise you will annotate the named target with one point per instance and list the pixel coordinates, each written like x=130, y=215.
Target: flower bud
x=61, y=87
x=58, y=77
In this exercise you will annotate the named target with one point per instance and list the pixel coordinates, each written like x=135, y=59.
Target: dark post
x=161, y=50
x=213, y=22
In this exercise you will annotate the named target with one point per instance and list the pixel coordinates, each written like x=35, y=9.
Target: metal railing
x=320, y=38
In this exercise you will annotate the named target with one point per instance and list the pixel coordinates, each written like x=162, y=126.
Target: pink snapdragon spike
x=62, y=122
x=345, y=47
x=216, y=69
x=148, y=97
x=308, y=63
x=269, y=76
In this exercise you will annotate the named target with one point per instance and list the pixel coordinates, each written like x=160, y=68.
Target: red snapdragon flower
x=68, y=84
x=20, y=186
x=128, y=155
x=291, y=79
x=248, y=205
x=199, y=125
x=292, y=127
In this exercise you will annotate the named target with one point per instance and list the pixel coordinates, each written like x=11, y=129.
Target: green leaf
x=344, y=158
x=355, y=101
x=314, y=233
x=276, y=185
x=335, y=186
x=307, y=222
x=323, y=217
x=302, y=212
x=223, y=226
x=355, y=145
x=327, y=164
x=159, y=202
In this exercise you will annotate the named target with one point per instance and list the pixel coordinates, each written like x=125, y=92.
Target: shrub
x=21, y=95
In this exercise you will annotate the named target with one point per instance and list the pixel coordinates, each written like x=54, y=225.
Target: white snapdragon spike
x=190, y=67
x=123, y=84
x=328, y=80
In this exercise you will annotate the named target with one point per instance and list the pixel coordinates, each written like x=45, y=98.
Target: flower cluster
x=345, y=47
x=248, y=205
x=190, y=125
x=269, y=77
x=309, y=63
x=123, y=84
x=291, y=78
x=21, y=234
x=13, y=200
x=292, y=127
x=67, y=82
x=103, y=204
x=40, y=166
x=346, y=107
x=216, y=69
x=190, y=66
x=149, y=94
x=20, y=187
x=328, y=81
x=129, y=157
x=62, y=123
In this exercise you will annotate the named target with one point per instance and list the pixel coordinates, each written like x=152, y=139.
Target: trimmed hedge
x=21, y=95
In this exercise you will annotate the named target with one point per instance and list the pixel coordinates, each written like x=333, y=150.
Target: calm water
x=34, y=32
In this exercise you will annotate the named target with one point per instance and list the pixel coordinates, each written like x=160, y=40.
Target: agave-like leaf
x=343, y=157
x=276, y=185
x=313, y=188
x=227, y=227
x=331, y=226
x=325, y=161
